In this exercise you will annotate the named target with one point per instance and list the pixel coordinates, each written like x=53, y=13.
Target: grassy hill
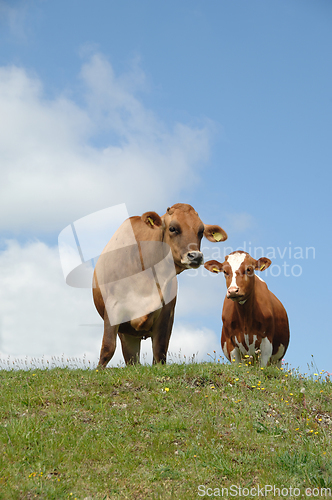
x=177, y=431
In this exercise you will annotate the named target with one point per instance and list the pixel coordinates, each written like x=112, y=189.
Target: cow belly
x=145, y=323
x=140, y=327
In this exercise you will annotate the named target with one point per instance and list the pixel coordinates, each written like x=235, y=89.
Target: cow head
x=239, y=270
x=183, y=231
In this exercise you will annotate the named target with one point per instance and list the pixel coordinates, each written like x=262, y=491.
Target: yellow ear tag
x=151, y=221
x=215, y=270
x=218, y=236
x=262, y=267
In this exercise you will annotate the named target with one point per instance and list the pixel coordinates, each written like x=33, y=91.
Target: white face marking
x=225, y=349
x=266, y=351
x=235, y=260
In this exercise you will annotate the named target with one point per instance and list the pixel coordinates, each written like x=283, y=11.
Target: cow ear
x=262, y=264
x=214, y=233
x=152, y=219
x=213, y=266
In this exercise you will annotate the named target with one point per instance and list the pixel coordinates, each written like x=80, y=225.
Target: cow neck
x=179, y=269
x=246, y=311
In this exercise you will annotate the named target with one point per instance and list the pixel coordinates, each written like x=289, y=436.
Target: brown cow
x=253, y=318
x=135, y=285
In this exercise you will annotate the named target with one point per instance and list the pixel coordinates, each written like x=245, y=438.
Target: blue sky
x=223, y=105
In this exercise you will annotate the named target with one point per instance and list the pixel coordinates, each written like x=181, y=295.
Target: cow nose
x=232, y=290
x=195, y=257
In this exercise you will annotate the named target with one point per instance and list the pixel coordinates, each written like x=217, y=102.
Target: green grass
x=159, y=432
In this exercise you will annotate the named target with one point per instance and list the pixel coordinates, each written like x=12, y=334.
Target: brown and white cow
x=253, y=318
x=135, y=285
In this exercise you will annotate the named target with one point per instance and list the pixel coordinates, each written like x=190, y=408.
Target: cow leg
x=226, y=344
x=160, y=347
x=231, y=351
x=131, y=348
x=276, y=358
x=109, y=342
x=266, y=351
x=235, y=355
x=161, y=333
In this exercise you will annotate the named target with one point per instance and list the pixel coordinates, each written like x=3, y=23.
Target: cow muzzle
x=233, y=292
x=193, y=259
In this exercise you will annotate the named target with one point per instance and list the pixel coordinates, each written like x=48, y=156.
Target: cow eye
x=172, y=229
x=249, y=270
x=200, y=233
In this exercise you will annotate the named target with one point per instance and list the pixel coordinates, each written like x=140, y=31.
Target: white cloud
x=52, y=171
x=41, y=316
x=188, y=340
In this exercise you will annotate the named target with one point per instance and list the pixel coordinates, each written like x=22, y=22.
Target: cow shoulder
x=229, y=314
